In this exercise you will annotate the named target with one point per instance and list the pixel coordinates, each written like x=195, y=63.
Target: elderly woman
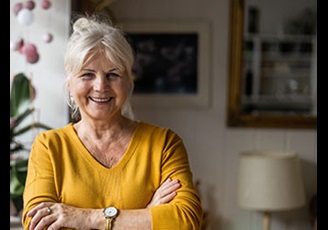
x=107, y=170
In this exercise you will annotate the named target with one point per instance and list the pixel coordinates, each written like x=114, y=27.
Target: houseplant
x=22, y=94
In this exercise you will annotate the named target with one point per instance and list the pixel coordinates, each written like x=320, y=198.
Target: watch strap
x=108, y=223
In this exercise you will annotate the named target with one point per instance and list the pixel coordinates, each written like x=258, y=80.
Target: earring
x=71, y=99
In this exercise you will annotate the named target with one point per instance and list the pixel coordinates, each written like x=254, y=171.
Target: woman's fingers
x=41, y=216
x=165, y=193
x=40, y=206
x=168, y=188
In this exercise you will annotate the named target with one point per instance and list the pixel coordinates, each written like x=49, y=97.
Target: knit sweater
x=62, y=170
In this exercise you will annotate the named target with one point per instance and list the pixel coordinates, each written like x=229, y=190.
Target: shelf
x=276, y=67
x=284, y=103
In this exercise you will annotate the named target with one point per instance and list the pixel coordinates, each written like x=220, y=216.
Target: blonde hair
x=90, y=36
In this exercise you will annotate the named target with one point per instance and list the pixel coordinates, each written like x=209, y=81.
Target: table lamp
x=270, y=181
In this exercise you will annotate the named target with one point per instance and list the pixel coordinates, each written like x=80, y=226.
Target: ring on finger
x=49, y=210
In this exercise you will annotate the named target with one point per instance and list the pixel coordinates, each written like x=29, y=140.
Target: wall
x=48, y=73
x=213, y=147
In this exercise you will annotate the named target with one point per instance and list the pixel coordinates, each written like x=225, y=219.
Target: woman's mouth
x=100, y=100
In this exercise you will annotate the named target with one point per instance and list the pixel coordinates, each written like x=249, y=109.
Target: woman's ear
x=68, y=84
x=130, y=88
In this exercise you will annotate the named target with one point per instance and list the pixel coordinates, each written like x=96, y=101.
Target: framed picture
x=171, y=63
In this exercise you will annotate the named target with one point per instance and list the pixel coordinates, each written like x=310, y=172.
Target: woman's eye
x=87, y=75
x=113, y=75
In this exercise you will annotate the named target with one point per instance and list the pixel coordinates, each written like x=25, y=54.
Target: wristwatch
x=110, y=213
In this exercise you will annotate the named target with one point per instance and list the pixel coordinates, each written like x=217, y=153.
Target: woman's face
x=99, y=89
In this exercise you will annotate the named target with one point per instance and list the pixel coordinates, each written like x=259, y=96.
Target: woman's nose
x=100, y=83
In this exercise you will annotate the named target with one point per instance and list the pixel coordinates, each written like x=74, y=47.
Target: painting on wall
x=171, y=63
x=165, y=63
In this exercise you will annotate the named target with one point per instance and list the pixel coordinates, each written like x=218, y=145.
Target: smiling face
x=99, y=89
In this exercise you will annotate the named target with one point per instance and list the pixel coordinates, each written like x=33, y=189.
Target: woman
x=107, y=171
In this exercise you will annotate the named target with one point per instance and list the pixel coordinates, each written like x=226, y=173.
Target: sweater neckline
x=83, y=151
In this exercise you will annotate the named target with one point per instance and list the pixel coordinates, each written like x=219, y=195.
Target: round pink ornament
x=47, y=37
x=45, y=4
x=30, y=5
x=16, y=44
x=31, y=53
x=17, y=7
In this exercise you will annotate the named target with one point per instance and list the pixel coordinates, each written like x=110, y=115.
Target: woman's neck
x=110, y=129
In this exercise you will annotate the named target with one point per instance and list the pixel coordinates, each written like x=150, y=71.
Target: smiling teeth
x=100, y=99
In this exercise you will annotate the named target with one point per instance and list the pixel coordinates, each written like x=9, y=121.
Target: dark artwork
x=165, y=63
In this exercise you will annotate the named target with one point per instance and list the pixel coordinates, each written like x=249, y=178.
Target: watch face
x=110, y=211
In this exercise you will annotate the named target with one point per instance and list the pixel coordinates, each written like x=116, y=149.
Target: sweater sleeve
x=39, y=186
x=184, y=211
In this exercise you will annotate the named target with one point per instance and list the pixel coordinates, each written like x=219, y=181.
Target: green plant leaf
x=20, y=96
x=18, y=172
x=20, y=109
x=29, y=127
x=14, y=132
x=20, y=117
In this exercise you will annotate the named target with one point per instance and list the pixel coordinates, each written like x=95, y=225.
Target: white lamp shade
x=270, y=181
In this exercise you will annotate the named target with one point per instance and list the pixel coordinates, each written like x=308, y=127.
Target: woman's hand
x=165, y=193
x=58, y=215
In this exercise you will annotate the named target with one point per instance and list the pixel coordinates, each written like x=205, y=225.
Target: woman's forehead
x=97, y=59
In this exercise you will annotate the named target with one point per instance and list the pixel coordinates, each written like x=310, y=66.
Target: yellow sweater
x=62, y=170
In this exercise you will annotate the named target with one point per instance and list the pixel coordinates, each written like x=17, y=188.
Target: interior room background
x=213, y=147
